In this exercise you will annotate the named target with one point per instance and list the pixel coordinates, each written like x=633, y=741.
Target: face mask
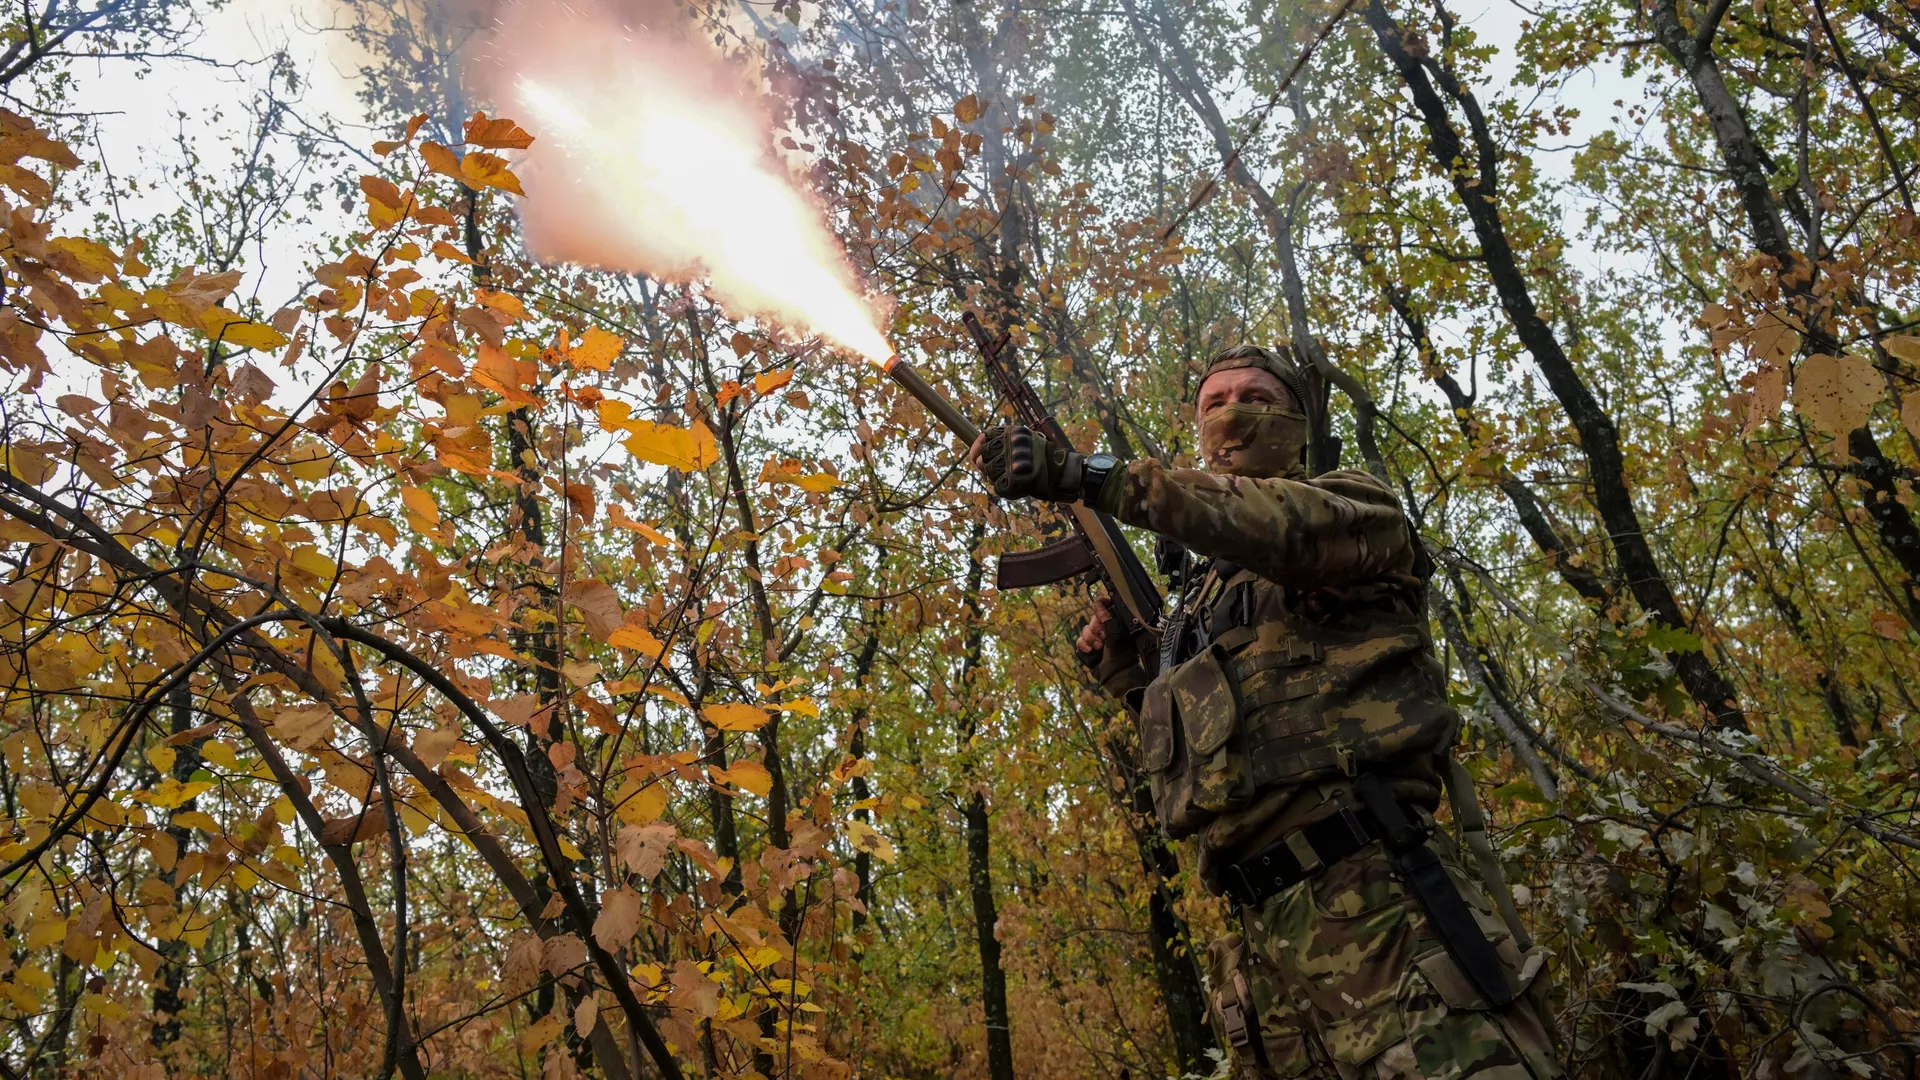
x=1255, y=440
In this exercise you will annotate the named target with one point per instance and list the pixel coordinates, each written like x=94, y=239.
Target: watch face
x=1102, y=461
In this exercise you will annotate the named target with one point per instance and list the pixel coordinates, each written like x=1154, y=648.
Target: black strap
x=1279, y=866
x=1426, y=877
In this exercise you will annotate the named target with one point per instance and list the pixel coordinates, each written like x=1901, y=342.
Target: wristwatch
x=1094, y=470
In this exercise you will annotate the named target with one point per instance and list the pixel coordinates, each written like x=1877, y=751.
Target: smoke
x=653, y=153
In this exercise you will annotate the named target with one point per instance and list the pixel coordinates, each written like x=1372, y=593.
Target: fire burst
x=655, y=156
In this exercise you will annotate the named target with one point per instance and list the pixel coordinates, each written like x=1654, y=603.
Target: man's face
x=1241, y=386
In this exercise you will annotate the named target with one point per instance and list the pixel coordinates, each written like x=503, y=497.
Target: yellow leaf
x=637, y=639
x=803, y=706
x=871, y=840
x=748, y=776
x=772, y=380
x=686, y=449
x=817, y=482
x=1836, y=393
x=542, y=1032
x=196, y=819
x=43, y=932
x=735, y=716
x=440, y=159
x=568, y=848
x=252, y=335
x=1904, y=346
x=644, y=806
x=597, y=350
x=614, y=414
x=161, y=755
x=448, y=251
x=92, y=255
x=420, y=505
x=221, y=753
x=481, y=169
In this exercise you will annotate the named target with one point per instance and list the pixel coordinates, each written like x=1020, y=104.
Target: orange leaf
x=440, y=159
x=481, y=169
x=596, y=350
x=497, y=133
x=772, y=380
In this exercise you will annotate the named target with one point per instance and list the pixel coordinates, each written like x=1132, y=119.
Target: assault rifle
x=1097, y=548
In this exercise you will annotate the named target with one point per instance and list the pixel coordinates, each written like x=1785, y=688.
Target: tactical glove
x=1020, y=463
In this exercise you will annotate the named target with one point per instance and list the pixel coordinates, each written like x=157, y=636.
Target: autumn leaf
x=967, y=109
x=585, y=1016
x=440, y=159
x=619, y=919
x=644, y=847
x=431, y=746
x=688, y=449
x=597, y=350
x=735, y=716
x=483, y=170
x=865, y=837
x=496, y=133
x=638, y=639
x=598, y=604
x=1836, y=393
x=773, y=380
x=747, y=776
x=422, y=512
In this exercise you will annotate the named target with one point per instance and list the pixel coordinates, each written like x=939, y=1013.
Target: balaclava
x=1257, y=440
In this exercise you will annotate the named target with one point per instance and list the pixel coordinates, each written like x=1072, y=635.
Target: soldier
x=1299, y=731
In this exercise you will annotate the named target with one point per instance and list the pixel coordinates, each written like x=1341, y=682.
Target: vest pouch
x=1157, y=727
x=1207, y=701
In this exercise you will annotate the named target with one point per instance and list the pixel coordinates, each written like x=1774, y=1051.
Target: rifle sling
x=1426, y=877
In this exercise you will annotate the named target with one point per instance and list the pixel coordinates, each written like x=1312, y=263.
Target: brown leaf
x=354, y=828
x=644, y=848
x=619, y=919
x=598, y=604
x=520, y=970
x=562, y=953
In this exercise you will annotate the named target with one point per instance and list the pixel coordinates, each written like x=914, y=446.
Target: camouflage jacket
x=1323, y=665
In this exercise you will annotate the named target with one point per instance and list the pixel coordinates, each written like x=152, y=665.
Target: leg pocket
x=1450, y=1034
x=1261, y=1021
x=1344, y=941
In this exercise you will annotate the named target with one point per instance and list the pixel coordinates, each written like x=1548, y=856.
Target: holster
x=1425, y=876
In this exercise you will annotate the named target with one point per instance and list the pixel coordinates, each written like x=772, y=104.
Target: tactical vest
x=1264, y=686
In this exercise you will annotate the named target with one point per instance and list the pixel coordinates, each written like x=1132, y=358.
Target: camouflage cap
x=1278, y=364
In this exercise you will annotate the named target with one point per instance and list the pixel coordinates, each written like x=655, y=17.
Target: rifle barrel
x=936, y=402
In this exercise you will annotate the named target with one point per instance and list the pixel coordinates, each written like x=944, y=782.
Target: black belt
x=1281, y=865
x=1304, y=852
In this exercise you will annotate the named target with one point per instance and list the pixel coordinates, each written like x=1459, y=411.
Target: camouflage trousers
x=1341, y=976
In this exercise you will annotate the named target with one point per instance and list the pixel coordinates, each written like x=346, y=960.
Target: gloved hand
x=1020, y=463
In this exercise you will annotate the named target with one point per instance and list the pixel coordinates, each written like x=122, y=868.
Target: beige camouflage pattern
x=1335, y=528
x=1242, y=439
x=1258, y=735
x=1348, y=981
x=1333, y=668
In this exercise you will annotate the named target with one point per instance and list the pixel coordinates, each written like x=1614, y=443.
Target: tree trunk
x=1475, y=184
x=993, y=978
